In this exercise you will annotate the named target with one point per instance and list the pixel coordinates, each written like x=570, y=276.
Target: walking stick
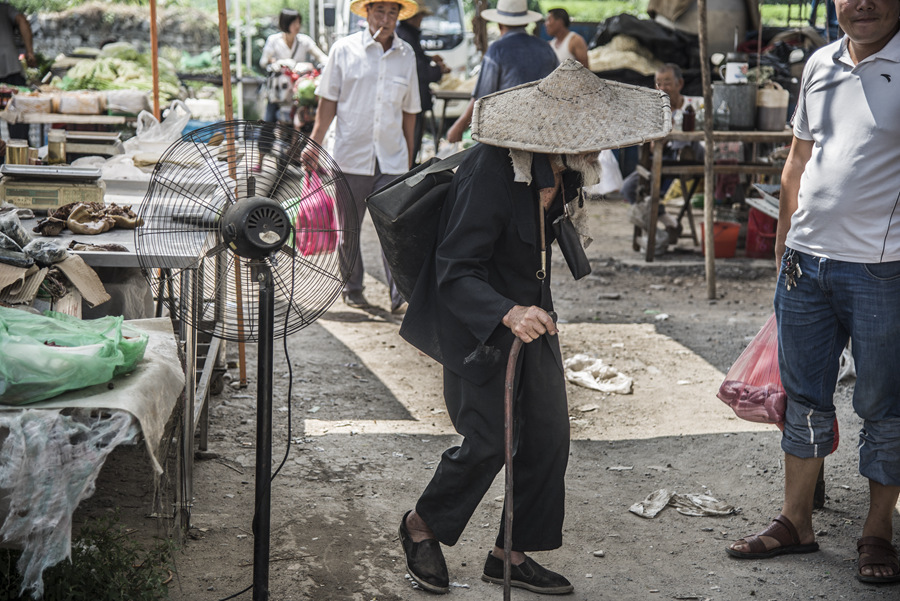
x=508, y=459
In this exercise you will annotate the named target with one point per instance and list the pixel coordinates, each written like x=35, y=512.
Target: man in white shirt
x=369, y=88
x=838, y=246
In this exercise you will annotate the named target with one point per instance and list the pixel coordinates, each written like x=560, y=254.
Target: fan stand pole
x=261, y=519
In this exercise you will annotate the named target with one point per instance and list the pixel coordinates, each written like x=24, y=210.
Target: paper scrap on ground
x=686, y=504
x=591, y=372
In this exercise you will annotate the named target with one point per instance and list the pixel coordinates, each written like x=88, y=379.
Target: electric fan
x=248, y=249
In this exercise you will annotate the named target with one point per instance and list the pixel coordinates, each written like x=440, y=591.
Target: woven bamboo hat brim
x=408, y=8
x=511, y=12
x=571, y=111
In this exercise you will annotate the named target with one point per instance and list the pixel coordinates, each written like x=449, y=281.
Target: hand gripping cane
x=508, y=459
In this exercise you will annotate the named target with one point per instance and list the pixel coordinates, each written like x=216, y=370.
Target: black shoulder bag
x=406, y=214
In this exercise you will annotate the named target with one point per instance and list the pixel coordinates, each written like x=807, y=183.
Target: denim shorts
x=831, y=302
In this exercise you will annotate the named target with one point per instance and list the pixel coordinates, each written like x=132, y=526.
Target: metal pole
x=154, y=58
x=262, y=517
x=226, y=61
x=508, y=460
x=709, y=182
x=238, y=60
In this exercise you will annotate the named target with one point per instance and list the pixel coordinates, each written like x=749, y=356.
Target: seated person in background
x=670, y=80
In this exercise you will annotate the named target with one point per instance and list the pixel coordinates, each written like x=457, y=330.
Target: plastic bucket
x=771, y=107
x=760, y=234
x=725, y=237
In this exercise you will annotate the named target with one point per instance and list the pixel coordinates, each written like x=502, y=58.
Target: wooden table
x=45, y=118
x=446, y=96
x=687, y=171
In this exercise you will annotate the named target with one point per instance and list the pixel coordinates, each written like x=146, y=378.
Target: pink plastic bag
x=316, y=225
x=752, y=387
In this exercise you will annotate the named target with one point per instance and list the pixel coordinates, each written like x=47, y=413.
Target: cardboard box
x=19, y=286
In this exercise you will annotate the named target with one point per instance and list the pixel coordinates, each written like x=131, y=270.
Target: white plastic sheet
x=49, y=462
x=592, y=373
x=695, y=505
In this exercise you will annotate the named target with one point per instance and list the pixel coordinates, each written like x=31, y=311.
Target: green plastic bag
x=42, y=356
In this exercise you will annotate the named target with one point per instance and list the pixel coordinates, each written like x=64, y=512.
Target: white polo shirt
x=850, y=189
x=373, y=89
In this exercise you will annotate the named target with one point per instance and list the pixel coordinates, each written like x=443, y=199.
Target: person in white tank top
x=565, y=43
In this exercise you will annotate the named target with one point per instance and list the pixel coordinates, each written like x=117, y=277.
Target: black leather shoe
x=425, y=561
x=528, y=575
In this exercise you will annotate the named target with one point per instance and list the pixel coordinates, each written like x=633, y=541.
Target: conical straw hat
x=408, y=8
x=571, y=111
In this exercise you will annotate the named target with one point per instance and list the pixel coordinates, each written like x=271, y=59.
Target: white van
x=443, y=32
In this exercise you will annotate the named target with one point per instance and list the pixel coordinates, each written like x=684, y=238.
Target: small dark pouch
x=570, y=244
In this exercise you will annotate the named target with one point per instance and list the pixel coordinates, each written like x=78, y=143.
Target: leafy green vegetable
x=120, y=74
x=306, y=92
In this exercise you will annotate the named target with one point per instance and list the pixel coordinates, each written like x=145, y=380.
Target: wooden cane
x=508, y=460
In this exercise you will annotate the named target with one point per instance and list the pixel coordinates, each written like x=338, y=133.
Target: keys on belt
x=791, y=270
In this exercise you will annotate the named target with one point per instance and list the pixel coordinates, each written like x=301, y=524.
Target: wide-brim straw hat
x=571, y=111
x=511, y=12
x=408, y=8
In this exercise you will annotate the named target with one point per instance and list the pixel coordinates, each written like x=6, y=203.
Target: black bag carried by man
x=406, y=214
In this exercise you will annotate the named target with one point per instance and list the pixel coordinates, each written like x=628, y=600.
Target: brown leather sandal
x=878, y=552
x=783, y=531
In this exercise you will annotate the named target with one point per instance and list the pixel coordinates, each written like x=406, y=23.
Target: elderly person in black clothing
x=428, y=68
x=486, y=285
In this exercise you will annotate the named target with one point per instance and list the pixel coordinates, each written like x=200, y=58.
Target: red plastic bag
x=752, y=387
x=316, y=224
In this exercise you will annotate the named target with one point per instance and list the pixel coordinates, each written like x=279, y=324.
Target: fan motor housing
x=255, y=227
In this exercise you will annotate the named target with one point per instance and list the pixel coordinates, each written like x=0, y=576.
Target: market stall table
x=52, y=451
x=686, y=171
x=446, y=97
x=181, y=256
x=50, y=118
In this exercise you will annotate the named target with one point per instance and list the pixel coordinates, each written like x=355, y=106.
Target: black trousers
x=541, y=451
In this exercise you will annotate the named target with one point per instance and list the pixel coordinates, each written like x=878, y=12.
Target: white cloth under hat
x=571, y=111
x=511, y=12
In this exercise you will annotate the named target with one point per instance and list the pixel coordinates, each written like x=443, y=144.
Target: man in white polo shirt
x=838, y=241
x=370, y=86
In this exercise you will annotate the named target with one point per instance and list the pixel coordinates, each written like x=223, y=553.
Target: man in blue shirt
x=514, y=59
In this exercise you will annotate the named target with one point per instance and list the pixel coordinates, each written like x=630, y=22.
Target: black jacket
x=486, y=260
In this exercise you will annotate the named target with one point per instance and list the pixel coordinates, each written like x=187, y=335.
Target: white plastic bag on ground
x=693, y=505
x=610, y=176
x=592, y=373
x=848, y=367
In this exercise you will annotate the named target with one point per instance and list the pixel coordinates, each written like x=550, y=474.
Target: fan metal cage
x=200, y=274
